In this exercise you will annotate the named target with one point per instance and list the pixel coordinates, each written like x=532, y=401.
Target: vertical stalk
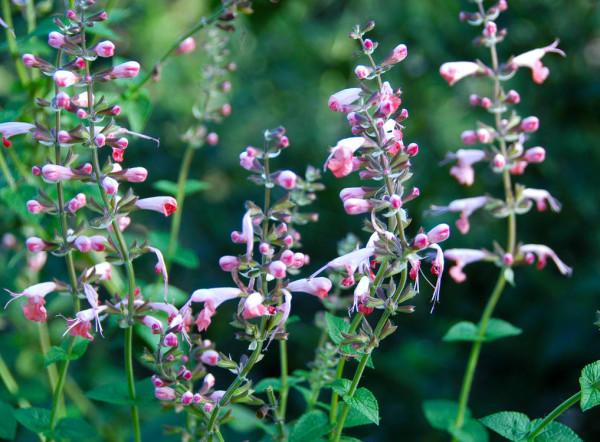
x=12, y=44
x=59, y=387
x=10, y=180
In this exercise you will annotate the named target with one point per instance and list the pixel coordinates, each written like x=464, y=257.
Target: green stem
x=13, y=50
x=30, y=17
x=180, y=197
x=45, y=344
x=130, y=383
x=56, y=400
x=279, y=420
x=11, y=384
x=203, y=23
x=476, y=349
x=6, y=172
x=557, y=412
x=18, y=164
x=285, y=387
x=210, y=429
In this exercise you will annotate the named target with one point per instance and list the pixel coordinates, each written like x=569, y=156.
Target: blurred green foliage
x=291, y=56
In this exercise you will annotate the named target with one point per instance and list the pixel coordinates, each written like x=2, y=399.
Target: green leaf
x=364, y=402
x=463, y=331
x=138, y=109
x=471, y=431
x=348, y=438
x=335, y=327
x=498, y=328
x=555, y=432
x=510, y=424
x=34, y=419
x=310, y=426
x=590, y=386
x=118, y=393
x=355, y=418
x=264, y=383
x=184, y=257
x=72, y=428
x=56, y=354
x=441, y=413
x=467, y=331
x=8, y=423
x=340, y=386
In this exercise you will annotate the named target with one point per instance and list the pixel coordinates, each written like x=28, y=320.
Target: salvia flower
x=533, y=60
x=253, y=306
x=340, y=99
x=9, y=129
x=340, y=161
x=162, y=204
x=462, y=257
x=465, y=207
x=457, y=70
x=351, y=262
x=543, y=252
x=540, y=196
x=34, y=310
x=82, y=324
x=186, y=46
x=318, y=286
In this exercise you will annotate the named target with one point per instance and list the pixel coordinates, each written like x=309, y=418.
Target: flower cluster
x=92, y=129
x=502, y=148
x=378, y=152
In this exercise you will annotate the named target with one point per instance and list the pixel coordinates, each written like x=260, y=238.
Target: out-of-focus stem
x=12, y=44
x=59, y=387
x=6, y=171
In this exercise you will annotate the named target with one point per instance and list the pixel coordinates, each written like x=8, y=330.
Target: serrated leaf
x=498, y=328
x=264, y=383
x=117, y=393
x=511, y=424
x=555, y=432
x=8, y=423
x=56, y=354
x=467, y=331
x=590, y=390
x=72, y=428
x=355, y=418
x=335, y=327
x=340, y=386
x=310, y=426
x=33, y=418
x=364, y=402
x=441, y=413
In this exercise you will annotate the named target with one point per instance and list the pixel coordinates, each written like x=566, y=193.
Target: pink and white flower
x=543, y=252
x=104, y=48
x=457, y=70
x=540, y=196
x=340, y=160
x=463, y=171
x=533, y=60
x=462, y=257
x=186, y=46
x=318, y=286
x=253, y=306
x=359, y=259
x=11, y=128
x=34, y=310
x=212, y=298
x=162, y=204
x=345, y=97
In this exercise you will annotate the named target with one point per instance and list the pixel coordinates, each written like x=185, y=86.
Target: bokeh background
x=291, y=56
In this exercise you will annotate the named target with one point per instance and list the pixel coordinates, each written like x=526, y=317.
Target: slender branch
x=12, y=44
x=60, y=384
x=279, y=420
x=131, y=383
x=6, y=172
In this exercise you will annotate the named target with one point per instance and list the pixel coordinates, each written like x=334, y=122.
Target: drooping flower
x=351, y=262
x=11, y=128
x=465, y=207
x=253, y=306
x=340, y=160
x=437, y=268
x=82, y=324
x=34, y=310
x=533, y=60
x=161, y=267
x=463, y=171
x=540, y=196
x=457, y=70
x=318, y=286
x=361, y=291
x=212, y=298
x=543, y=252
x=462, y=257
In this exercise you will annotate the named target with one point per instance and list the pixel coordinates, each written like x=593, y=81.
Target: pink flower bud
x=34, y=207
x=225, y=110
x=485, y=136
x=457, y=70
x=287, y=257
x=368, y=44
x=171, y=340
x=355, y=206
x=253, y=307
x=62, y=100
x=519, y=168
x=395, y=201
x=186, y=46
x=110, y=185
x=499, y=162
x=97, y=242
x=187, y=398
x=288, y=240
x=420, y=241
x=56, y=39
x=491, y=28
x=486, y=102
x=81, y=114
x=512, y=97
x=65, y=78
x=64, y=137
x=87, y=168
x=197, y=398
x=117, y=154
x=412, y=149
x=344, y=97
x=474, y=100
x=122, y=143
x=286, y=179
x=135, y=174
x=229, y=263
x=37, y=261
x=397, y=55
x=29, y=60
x=55, y=173
x=9, y=241
x=128, y=69
x=105, y=48
x=212, y=139
x=100, y=140
x=439, y=233
x=158, y=382
x=82, y=243
x=225, y=86
x=362, y=72
x=530, y=124
x=163, y=204
x=352, y=192
x=72, y=15
x=264, y=248
x=535, y=155
x=165, y=394
x=277, y=269
x=469, y=137
x=508, y=259
x=208, y=407
x=210, y=357
x=36, y=171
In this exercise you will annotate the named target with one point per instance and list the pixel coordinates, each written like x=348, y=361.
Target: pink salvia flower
x=65, y=78
x=82, y=324
x=318, y=286
x=110, y=185
x=135, y=174
x=286, y=179
x=530, y=124
x=104, y=48
x=543, y=252
x=229, y=263
x=54, y=173
x=439, y=233
x=253, y=306
x=463, y=171
x=171, y=340
x=210, y=357
x=161, y=267
x=277, y=269
x=102, y=270
x=351, y=262
x=92, y=297
x=457, y=70
x=362, y=72
x=128, y=69
x=212, y=298
x=533, y=60
x=361, y=291
x=540, y=197
x=187, y=398
x=35, y=244
x=355, y=206
x=186, y=46
x=56, y=39
x=37, y=261
x=465, y=207
x=98, y=243
x=437, y=268
x=248, y=233
x=462, y=257
x=62, y=100
x=165, y=394
x=535, y=155
x=82, y=243
x=340, y=160
x=343, y=98
x=34, y=310
x=162, y=204
x=398, y=54
x=11, y=128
